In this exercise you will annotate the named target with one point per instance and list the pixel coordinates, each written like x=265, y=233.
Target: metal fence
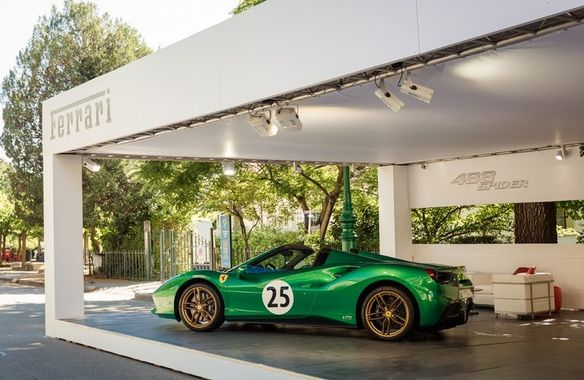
x=127, y=265
x=164, y=255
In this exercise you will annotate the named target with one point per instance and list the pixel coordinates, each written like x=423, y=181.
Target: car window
x=285, y=260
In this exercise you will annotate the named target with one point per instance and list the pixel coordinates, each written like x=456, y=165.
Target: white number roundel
x=278, y=297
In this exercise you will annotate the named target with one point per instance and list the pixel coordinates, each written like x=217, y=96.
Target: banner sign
x=512, y=178
x=484, y=181
x=225, y=230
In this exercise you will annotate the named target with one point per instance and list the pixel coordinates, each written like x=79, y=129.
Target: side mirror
x=242, y=269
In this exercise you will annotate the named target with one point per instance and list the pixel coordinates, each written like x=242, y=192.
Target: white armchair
x=523, y=294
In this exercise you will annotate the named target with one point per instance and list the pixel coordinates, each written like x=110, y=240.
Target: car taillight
x=432, y=273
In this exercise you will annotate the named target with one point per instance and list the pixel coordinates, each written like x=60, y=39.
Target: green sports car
x=294, y=284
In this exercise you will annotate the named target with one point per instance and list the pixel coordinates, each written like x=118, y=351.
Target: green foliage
x=263, y=239
x=574, y=209
x=7, y=214
x=462, y=224
x=564, y=232
x=116, y=203
x=366, y=211
x=316, y=188
x=178, y=187
x=244, y=196
x=67, y=48
x=245, y=5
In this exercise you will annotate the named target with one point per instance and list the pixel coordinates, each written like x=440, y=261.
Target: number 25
x=283, y=295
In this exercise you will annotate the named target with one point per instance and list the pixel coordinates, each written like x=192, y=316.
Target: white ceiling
x=526, y=95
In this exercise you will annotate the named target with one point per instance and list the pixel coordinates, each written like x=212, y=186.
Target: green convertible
x=293, y=284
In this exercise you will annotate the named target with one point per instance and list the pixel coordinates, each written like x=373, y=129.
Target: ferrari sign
x=278, y=297
x=87, y=113
x=486, y=181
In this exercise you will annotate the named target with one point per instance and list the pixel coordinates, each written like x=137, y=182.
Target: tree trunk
x=22, y=247
x=93, y=238
x=244, y=236
x=328, y=205
x=2, y=246
x=535, y=223
x=85, y=247
x=325, y=218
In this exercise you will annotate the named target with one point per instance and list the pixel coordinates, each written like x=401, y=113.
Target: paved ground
x=116, y=289
x=25, y=353
x=485, y=348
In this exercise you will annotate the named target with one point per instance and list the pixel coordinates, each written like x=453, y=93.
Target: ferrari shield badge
x=223, y=278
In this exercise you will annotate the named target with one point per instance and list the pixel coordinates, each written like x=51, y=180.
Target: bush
x=486, y=239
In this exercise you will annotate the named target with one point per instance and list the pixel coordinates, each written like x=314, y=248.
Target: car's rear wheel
x=201, y=308
x=388, y=313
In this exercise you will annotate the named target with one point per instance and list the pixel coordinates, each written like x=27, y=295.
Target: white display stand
x=523, y=294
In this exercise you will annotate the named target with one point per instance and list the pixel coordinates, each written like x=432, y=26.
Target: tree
x=7, y=216
x=467, y=224
x=364, y=194
x=116, y=203
x=178, y=187
x=314, y=188
x=244, y=196
x=535, y=222
x=245, y=5
x=67, y=48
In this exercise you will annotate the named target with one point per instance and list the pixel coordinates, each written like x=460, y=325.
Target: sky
x=160, y=22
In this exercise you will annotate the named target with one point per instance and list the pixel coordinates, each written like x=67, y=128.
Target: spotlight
x=228, y=168
x=423, y=166
x=415, y=90
x=561, y=154
x=91, y=165
x=297, y=167
x=393, y=102
x=287, y=118
x=263, y=125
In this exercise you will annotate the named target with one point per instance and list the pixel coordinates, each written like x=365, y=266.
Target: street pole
x=348, y=236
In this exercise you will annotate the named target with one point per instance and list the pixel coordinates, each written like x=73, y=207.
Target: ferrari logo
x=223, y=278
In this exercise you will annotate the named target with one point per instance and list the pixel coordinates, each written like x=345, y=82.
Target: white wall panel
x=278, y=47
x=275, y=48
x=166, y=87
x=288, y=45
x=564, y=261
x=395, y=227
x=525, y=177
x=63, y=216
x=444, y=23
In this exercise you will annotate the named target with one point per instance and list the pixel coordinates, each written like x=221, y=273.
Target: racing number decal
x=283, y=295
x=278, y=297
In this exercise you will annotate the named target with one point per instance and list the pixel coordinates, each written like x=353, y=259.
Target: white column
x=63, y=219
x=395, y=224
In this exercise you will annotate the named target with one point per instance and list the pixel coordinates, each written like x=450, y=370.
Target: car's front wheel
x=201, y=308
x=388, y=313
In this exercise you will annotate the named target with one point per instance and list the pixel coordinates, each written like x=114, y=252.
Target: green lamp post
x=348, y=236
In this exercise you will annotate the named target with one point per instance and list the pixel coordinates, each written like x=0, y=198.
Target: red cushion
x=525, y=270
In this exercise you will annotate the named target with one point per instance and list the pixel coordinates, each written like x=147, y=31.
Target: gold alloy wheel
x=388, y=314
x=199, y=307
